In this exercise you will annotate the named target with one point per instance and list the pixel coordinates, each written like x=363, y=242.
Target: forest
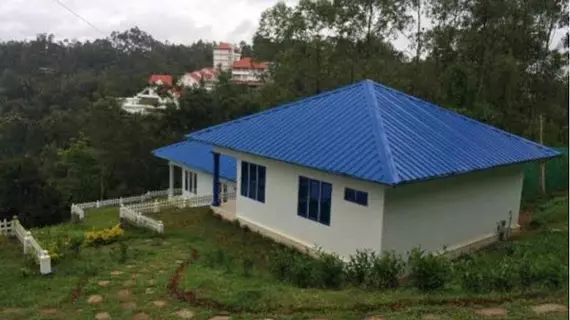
x=64, y=138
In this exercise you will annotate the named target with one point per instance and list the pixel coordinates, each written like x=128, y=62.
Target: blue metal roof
x=372, y=132
x=197, y=155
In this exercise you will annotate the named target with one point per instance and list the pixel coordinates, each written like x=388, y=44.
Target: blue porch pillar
x=216, y=200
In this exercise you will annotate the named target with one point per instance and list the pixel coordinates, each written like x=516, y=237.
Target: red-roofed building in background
x=160, y=79
x=227, y=58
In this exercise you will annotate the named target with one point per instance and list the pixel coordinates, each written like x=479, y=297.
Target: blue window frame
x=359, y=197
x=252, y=181
x=314, y=200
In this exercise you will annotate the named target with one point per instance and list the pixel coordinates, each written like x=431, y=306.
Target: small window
x=314, y=200
x=359, y=197
x=253, y=181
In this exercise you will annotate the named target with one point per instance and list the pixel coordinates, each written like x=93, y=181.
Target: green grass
x=232, y=270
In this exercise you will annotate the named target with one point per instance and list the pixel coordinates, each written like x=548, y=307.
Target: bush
x=385, y=271
x=359, y=267
x=247, y=266
x=105, y=236
x=329, y=271
x=427, y=271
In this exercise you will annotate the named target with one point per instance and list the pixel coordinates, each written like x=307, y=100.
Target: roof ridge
x=488, y=126
x=384, y=151
x=277, y=108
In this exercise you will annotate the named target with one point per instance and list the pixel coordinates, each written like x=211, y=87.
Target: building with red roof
x=160, y=79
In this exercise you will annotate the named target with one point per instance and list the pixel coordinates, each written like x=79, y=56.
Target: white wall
x=205, y=183
x=352, y=226
x=450, y=211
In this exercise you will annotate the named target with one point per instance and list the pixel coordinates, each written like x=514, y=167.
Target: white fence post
x=156, y=206
x=27, y=239
x=45, y=263
x=160, y=227
x=97, y=204
x=121, y=201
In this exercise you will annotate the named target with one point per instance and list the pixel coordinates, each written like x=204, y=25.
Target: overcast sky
x=178, y=21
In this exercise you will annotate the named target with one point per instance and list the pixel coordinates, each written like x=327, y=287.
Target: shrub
x=303, y=273
x=427, y=271
x=329, y=271
x=359, y=267
x=75, y=243
x=105, y=236
x=385, y=271
x=503, y=275
x=280, y=263
x=247, y=266
x=471, y=275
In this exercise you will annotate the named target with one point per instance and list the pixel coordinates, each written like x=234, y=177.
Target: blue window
x=253, y=181
x=314, y=200
x=359, y=197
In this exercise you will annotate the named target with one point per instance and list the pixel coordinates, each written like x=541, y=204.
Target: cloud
x=178, y=21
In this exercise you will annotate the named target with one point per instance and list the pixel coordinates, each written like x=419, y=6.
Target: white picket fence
x=14, y=228
x=79, y=209
x=137, y=218
x=134, y=213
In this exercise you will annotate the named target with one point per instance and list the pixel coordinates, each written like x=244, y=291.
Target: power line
x=79, y=16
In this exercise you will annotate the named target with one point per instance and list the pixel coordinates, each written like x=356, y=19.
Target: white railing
x=79, y=209
x=136, y=218
x=14, y=228
x=134, y=213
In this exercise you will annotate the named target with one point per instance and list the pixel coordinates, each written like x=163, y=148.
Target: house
x=224, y=55
x=227, y=57
x=369, y=167
x=194, y=79
x=247, y=71
x=149, y=99
x=194, y=159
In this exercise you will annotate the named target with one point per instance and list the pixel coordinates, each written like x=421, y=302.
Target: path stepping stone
x=161, y=271
x=102, y=316
x=159, y=303
x=141, y=316
x=116, y=273
x=152, y=282
x=374, y=318
x=124, y=295
x=220, y=318
x=149, y=291
x=103, y=283
x=95, y=298
x=179, y=261
x=129, y=305
x=549, y=307
x=48, y=311
x=128, y=283
x=184, y=314
x=492, y=312
x=12, y=310
x=130, y=266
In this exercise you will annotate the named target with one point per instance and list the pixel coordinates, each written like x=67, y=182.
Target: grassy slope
x=219, y=274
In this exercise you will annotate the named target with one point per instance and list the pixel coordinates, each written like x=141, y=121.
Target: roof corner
x=382, y=144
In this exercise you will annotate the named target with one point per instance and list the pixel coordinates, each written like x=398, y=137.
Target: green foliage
x=359, y=267
x=369, y=270
x=428, y=271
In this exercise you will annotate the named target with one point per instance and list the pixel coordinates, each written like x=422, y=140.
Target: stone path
x=48, y=311
x=159, y=303
x=124, y=295
x=220, y=318
x=141, y=316
x=103, y=283
x=129, y=305
x=12, y=310
x=116, y=273
x=95, y=298
x=491, y=312
x=184, y=314
x=102, y=316
x=549, y=307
